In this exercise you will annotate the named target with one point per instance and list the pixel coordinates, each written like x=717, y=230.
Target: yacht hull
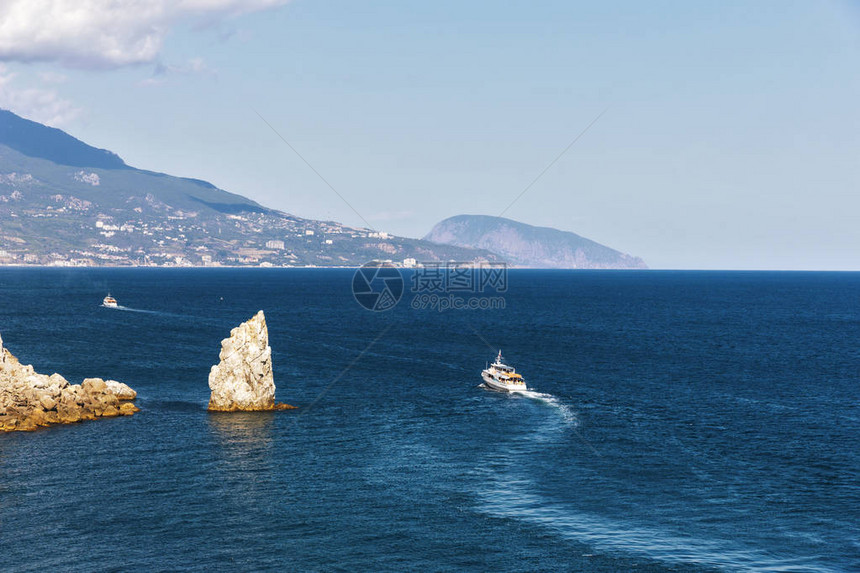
x=500, y=386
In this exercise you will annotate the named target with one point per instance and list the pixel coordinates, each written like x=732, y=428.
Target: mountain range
x=66, y=203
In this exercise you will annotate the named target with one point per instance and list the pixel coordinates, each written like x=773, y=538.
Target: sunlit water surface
x=675, y=421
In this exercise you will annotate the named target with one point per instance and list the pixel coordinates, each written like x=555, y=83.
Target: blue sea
x=677, y=421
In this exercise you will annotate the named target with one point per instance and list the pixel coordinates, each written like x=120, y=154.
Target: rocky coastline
x=29, y=400
x=242, y=381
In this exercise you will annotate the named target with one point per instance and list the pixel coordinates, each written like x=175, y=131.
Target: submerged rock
x=29, y=400
x=243, y=379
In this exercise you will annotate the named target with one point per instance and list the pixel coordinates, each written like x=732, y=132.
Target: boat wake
x=160, y=313
x=512, y=496
x=129, y=309
x=566, y=412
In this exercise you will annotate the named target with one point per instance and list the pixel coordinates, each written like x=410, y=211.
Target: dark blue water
x=680, y=421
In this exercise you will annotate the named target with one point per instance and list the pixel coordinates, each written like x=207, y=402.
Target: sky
x=708, y=135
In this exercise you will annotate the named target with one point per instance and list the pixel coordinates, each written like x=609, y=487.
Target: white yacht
x=502, y=378
x=109, y=301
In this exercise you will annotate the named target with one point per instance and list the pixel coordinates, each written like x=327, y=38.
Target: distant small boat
x=503, y=378
x=109, y=301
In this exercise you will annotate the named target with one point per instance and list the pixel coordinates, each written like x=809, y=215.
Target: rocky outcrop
x=243, y=379
x=29, y=400
x=120, y=390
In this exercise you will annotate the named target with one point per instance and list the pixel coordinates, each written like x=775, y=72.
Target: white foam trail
x=129, y=309
x=154, y=312
x=511, y=497
x=550, y=400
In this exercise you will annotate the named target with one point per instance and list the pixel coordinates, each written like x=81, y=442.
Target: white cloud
x=38, y=104
x=104, y=33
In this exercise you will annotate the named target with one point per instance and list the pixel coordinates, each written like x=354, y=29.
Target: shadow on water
x=242, y=435
x=244, y=448
x=242, y=430
x=171, y=405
